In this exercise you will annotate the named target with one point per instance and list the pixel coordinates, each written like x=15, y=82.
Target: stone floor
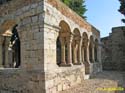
x=103, y=82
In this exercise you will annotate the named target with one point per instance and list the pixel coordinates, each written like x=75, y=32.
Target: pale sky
x=103, y=14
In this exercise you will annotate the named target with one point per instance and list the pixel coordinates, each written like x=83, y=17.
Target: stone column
x=74, y=54
x=63, y=61
x=1, y=54
x=79, y=52
x=97, y=53
x=7, y=56
x=87, y=54
x=10, y=56
x=83, y=54
x=93, y=54
x=87, y=62
x=69, y=63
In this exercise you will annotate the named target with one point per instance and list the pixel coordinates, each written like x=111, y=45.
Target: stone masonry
x=57, y=47
x=113, y=51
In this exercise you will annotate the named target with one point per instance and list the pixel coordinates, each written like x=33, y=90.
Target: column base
x=62, y=64
x=65, y=65
x=69, y=64
x=77, y=63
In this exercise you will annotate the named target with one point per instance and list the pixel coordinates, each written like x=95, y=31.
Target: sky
x=103, y=14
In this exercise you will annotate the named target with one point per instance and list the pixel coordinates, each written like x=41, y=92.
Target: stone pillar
x=87, y=54
x=93, y=54
x=74, y=54
x=10, y=57
x=83, y=55
x=79, y=52
x=1, y=54
x=63, y=61
x=97, y=53
x=7, y=56
x=69, y=63
x=87, y=62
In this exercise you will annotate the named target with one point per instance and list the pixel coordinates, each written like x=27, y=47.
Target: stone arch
x=65, y=37
x=64, y=26
x=96, y=50
x=11, y=44
x=91, y=49
x=76, y=51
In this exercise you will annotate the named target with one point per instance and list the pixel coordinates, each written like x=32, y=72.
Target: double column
x=66, y=49
x=63, y=61
x=66, y=41
x=1, y=51
x=85, y=51
x=93, y=54
x=92, y=51
x=77, y=52
x=69, y=42
x=86, y=57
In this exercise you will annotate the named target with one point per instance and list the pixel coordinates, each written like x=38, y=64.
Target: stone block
x=49, y=83
x=34, y=5
x=34, y=19
x=59, y=87
x=53, y=90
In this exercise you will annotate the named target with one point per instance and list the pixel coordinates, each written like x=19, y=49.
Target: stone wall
x=64, y=79
x=29, y=16
x=113, y=49
x=21, y=81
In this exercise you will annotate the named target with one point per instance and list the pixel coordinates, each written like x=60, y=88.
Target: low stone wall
x=35, y=81
x=64, y=78
x=20, y=81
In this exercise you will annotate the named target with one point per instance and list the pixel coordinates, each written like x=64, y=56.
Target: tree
x=77, y=6
x=122, y=9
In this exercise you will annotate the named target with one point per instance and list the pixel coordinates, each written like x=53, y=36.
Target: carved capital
x=62, y=40
x=69, y=39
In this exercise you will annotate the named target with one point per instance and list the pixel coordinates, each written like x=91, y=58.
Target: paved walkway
x=104, y=82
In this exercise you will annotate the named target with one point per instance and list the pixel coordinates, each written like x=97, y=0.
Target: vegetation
x=77, y=5
x=122, y=9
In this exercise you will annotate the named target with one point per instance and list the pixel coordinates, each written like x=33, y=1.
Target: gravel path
x=104, y=80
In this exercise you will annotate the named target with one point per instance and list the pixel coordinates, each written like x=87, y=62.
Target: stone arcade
x=56, y=48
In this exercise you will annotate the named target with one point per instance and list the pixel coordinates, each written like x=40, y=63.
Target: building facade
x=113, y=51
x=45, y=46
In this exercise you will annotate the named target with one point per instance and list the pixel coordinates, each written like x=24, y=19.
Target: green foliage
x=77, y=5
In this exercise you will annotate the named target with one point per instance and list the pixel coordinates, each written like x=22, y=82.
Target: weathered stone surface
x=113, y=50
x=40, y=24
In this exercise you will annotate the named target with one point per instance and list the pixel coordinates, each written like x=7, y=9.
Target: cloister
x=45, y=46
x=75, y=48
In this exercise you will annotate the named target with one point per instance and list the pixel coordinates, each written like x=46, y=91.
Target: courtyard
x=102, y=82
